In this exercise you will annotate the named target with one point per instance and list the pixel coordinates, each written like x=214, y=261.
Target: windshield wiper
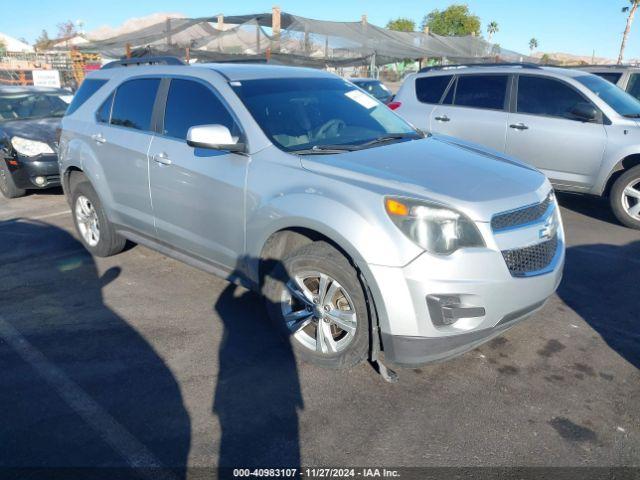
x=325, y=149
x=390, y=137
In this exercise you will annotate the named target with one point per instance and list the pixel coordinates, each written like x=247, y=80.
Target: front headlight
x=30, y=148
x=434, y=227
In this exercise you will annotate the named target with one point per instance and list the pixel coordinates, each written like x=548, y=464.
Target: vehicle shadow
x=257, y=396
x=588, y=205
x=600, y=285
x=80, y=387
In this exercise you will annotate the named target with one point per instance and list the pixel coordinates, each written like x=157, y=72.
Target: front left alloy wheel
x=316, y=299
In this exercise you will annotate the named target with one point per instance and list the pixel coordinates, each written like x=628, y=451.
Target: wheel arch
x=622, y=166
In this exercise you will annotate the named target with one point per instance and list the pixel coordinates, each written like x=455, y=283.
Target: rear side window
x=545, y=96
x=191, y=103
x=481, y=91
x=133, y=104
x=88, y=88
x=633, y=88
x=103, y=114
x=612, y=77
x=430, y=89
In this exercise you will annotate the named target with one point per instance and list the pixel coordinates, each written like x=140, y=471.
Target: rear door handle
x=98, y=138
x=519, y=126
x=161, y=158
x=443, y=118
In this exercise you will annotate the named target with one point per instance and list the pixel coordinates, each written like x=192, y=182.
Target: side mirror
x=215, y=137
x=585, y=112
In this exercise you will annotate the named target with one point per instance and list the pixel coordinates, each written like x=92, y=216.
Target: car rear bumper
x=35, y=172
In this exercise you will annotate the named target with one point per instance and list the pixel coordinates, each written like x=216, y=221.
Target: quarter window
x=545, y=96
x=88, y=88
x=430, y=89
x=481, y=91
x=612, y=77
x=633, y=88
x=133, y=105
x=191, y=103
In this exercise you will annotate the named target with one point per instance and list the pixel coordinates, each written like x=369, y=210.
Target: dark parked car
x=373, y=87
x=29, y=119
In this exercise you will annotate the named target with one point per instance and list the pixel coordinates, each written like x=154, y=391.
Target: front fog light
x=434, y=227
x=40, y=181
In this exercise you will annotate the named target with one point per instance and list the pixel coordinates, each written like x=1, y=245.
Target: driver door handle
x=161, y=158
x=98, y=138
x=443, y=118
x=519, y=126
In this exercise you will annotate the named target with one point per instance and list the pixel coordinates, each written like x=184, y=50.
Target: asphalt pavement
x=139, y=360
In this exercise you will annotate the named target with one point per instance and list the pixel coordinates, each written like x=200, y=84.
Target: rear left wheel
x=96, y=232
x=315, y=298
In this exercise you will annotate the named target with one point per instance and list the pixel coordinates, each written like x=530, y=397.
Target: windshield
x=28, y=105
x=619, y=100
x=315, y=113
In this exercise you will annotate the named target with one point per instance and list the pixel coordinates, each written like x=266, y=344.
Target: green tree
x=454, y=20
x=43, y=42
x=3, y=47
x=631, y=10
x=402, y=25
x=533, y=44
x=67, y=29
x=492, y=29
x=545, y=59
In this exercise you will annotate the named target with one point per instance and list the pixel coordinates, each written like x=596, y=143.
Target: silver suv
x=625, y=77
x=361, y=233
x=577, y=128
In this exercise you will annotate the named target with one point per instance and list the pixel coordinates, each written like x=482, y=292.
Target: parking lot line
x=49, y=215
x=118, y=437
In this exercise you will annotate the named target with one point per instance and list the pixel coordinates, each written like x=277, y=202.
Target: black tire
x=325, y=259
x=7, y=185
x=109, y=242
x=616, y=197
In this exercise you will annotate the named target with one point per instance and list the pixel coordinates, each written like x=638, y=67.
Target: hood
x=40, y=129
x=465, y=176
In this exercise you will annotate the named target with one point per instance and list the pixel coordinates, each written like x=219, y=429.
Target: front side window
x=622, y=102
x=133, y=103
x=191, y=103
x=546, y=96
x=430, y=89
x=481, y=91
x=33, y=104
x=318, y=113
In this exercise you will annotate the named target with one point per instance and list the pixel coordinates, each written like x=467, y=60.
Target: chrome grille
x=529, y=260
x=521, y=216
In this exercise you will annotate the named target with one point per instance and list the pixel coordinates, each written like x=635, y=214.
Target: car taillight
x=394, y=105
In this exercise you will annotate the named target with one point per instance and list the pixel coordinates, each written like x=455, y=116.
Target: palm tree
x=632, y=11
x=533, y=43
x=492, y=28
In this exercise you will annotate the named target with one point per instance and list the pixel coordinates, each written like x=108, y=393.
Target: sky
x=572, y=26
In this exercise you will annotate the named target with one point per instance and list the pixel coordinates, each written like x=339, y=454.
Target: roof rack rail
x=605, y=65
x=138, y=61
x=481, y=65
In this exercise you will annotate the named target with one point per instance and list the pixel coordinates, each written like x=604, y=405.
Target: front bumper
x=25, y=171
x=481, y=284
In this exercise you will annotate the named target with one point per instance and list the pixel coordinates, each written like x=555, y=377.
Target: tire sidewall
x=7, y=186
x=323, y=258
x=616, y=198
x=101, y=249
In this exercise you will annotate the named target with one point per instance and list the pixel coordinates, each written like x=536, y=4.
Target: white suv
x=577, y=128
